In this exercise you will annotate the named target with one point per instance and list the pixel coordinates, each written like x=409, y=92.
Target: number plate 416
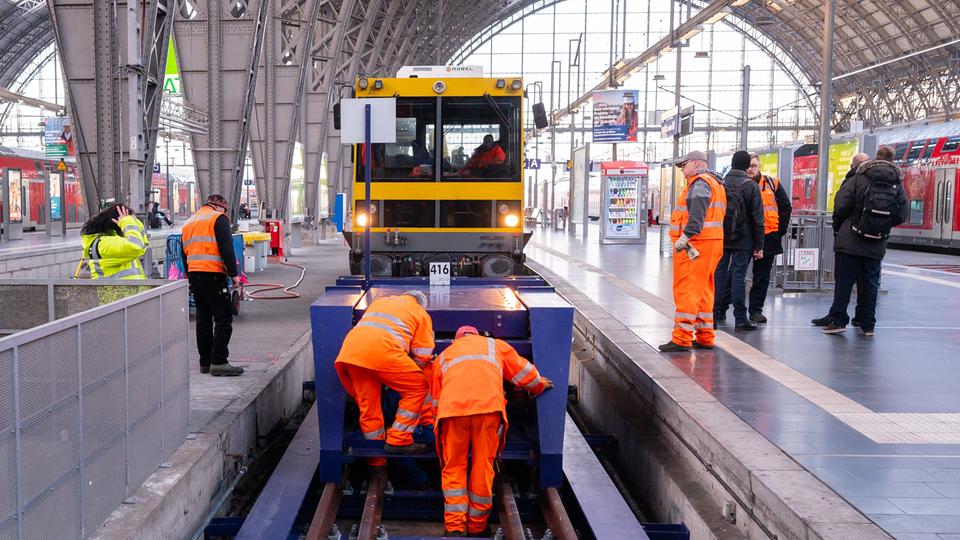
x=439, y=274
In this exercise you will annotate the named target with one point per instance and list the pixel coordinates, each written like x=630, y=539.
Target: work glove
x=681, y=243
x=692, y=252
x=547, y=383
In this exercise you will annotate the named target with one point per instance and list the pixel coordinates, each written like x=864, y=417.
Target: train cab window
x=916, y=148
x=411, y=156
x=481, y=139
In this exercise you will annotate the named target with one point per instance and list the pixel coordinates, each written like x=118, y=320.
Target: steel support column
x=826, y=105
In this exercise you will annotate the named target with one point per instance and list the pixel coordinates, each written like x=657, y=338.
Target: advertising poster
x=804, y=181
x=55, y=205
x=58, y=137
x=770, y=164
x=615, y=116
x=840, y=155
x=14, y=188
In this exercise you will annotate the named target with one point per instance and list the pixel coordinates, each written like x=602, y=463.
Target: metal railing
x=807, y=262
x=90, y=404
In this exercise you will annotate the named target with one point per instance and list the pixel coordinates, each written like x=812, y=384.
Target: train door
x=945, y=197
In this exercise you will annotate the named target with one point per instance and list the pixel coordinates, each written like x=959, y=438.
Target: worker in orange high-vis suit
x=696, y=229
x=389, y=346
x=472, y=421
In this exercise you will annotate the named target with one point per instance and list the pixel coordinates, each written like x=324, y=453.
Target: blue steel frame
x=547, y=343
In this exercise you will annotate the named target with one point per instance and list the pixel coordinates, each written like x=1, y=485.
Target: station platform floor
x=876, y=419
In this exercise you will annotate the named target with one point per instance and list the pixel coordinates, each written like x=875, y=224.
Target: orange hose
x=286, y=293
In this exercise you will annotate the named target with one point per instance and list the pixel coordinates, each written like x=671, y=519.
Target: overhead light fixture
x=774, y=7
x=666, y=50
x=738, y=3
x=691, y=32
x=701, y=54
x=650, y=60
x=659, y=77
x=718, y=16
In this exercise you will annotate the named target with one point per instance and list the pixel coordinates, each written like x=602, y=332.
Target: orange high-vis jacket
x=200, y=242
x=468, y=377
x=395, y=335
x=713, y=222
x=771, y=214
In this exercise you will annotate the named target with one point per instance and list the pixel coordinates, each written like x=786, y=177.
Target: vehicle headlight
x=363, y=83
x=362, y=220
x=512, y=220
x=503, y=208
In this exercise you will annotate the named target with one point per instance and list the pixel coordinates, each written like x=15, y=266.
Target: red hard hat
x=464, y=330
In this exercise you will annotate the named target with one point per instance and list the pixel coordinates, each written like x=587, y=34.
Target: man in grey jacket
x=742, y=240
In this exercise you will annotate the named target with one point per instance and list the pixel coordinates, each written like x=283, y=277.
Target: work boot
x=868, y=332
x=822, y=321
x=855, y=323
x=454, y=534
x=225, y=370
x=670, y=346
x=412, y=448
x=834, y=328
x=745, y=326
x=758, y=318
x=204, y=369
x=698, y=345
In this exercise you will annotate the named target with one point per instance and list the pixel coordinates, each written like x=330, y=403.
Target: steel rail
x=507, y=510
x=373, y=507
x=556, y=515
x=326, y=513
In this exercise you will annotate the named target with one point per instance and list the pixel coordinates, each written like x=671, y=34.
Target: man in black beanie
x=742, y=240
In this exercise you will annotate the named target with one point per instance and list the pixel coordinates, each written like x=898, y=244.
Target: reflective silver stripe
x=201, y=257
x=132, y=271
x=717, y=205
x=705, y=315
x=674, y=227
x=95, y=268
x=681, y=207
x=407, y=414
x=421, y=363
x=455, y=492
x=492, y=349
x=131, y=228
x=391, y=318
x=403, y=427
x=422, y=351
x=198, y=239
x=455, y=507
x=385, y=328
x=436, y=403
x=685, y=326
x=712, y=224
x=94, y=248
x=479, y=499
x=468, y=357
x=200, y=218
x=703, y=325
x=427, y=400
x=136, y=240
x=682, y=315
x=523, y=373
x=533, y=384
x=478, y=513
x=374, y=435
x=770, y=208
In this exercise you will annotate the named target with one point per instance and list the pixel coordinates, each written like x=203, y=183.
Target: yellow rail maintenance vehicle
x=450, y=189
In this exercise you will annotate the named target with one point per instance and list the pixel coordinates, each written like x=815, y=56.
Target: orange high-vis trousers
x=467, y=503
x=693, y=292
x=364, y=386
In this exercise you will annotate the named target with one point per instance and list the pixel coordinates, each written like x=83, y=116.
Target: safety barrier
x=807, y=262
x=91, y=403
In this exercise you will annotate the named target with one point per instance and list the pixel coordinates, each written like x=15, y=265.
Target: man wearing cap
x=390, y=346
x=207, y=250
x=472, y=422
x=696, y=229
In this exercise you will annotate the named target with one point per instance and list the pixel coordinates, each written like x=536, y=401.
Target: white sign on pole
x=806, y=259
x=440, y=274
x=383, y=120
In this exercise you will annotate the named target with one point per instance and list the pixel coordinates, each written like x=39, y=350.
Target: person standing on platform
x=390, y=346
x=696, y=228
x=866, y=208
x=855, y=163
x=776, y=220
x=113, y=242
x=742, y=241
x=472, y=422
x=210, y=259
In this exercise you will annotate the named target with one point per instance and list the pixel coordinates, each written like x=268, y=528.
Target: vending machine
x=623, y=200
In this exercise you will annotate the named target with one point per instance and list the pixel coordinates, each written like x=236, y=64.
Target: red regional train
x=34, y=167
x=931, y=168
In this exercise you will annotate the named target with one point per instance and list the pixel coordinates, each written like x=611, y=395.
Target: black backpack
x=879, y=206
x=736, y=207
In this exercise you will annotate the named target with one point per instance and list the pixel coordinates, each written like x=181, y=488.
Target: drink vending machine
x=623, y=201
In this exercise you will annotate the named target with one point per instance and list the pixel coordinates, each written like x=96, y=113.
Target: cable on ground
x=286, y=292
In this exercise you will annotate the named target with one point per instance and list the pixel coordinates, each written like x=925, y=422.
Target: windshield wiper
x=496, y=109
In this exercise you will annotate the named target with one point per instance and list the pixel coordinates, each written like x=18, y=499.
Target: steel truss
x=114, y=100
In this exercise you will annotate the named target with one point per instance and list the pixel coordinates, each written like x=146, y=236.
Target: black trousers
x=762, y=268
x=730, y=280
x=865, y=274
x=214, y=316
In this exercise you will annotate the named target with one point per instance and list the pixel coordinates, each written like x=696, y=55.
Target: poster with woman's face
x=14, y=188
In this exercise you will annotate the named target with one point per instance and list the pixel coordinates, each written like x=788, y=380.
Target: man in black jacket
x=742, y=239
x=858, y=258
x=776, y=221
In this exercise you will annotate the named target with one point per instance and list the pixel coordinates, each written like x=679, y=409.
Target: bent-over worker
x=390, y=346
x=472, y=418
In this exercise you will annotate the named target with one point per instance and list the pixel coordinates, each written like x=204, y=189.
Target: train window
x=950, y=145
x=899, y=150
x=916, y=148
x=466, y=214
x=928, y=152
x=409, y=213
x=411, y=156
x=481, y=138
